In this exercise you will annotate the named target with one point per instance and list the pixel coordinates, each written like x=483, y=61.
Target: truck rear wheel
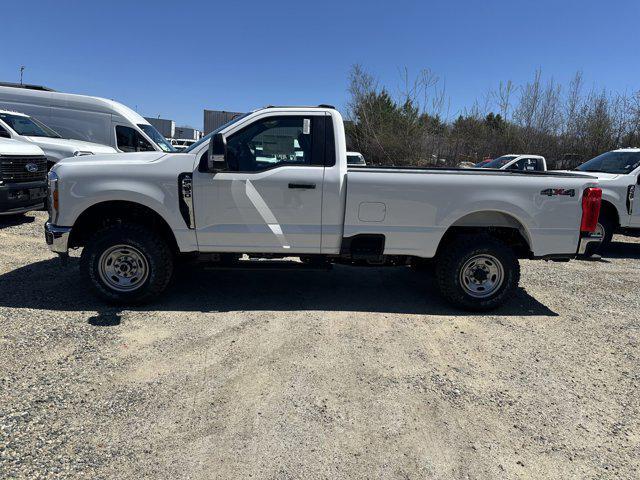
x=127, y=264
x=477, y=273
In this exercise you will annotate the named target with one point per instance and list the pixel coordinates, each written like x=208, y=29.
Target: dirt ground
x=352, y=373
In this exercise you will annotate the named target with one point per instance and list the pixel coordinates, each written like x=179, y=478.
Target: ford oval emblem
x=31, y=167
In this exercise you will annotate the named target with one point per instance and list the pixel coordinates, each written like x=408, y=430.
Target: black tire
x=460, y=253
x=608, y=227
x=147, y=246
x=422, y=265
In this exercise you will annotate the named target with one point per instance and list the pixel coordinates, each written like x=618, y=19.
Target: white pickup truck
x=23, y=128
x=618, y=173
x=530, y=163
x=23, y=177
x=275, y=183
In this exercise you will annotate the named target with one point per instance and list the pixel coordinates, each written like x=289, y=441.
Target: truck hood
x=113, y=158
x=14, y=147
x=71, y=145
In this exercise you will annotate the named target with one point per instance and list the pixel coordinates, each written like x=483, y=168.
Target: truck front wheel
x=127, y=264
x=605, y=228
x=477, y=273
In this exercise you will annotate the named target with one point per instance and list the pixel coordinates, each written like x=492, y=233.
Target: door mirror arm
x=217, y=155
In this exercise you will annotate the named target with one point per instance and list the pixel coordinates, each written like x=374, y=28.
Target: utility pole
x=21, y=71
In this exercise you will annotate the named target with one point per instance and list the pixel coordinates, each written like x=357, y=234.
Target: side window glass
x=519, y=165
x=130, y=140
x=4, y=133
x=530, y=164
x=271, y=142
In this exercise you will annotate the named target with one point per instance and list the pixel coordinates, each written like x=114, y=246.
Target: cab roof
x=11, y=112
x=627, y=149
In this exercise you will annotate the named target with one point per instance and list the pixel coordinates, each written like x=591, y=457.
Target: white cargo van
x=82, y=117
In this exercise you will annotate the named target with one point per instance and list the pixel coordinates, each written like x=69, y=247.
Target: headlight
x=80, y=153
x=53, y=183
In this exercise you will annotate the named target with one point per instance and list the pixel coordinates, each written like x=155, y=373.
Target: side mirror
x=217, y=159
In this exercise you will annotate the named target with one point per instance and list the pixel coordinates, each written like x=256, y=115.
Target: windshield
x=497, y=162
x=219, y=129
x=27, y=126
x=612, y=162
x=155, y=135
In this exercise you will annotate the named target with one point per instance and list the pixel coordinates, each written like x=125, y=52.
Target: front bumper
x=22, y=197
x=57, y=237
x=586, y=240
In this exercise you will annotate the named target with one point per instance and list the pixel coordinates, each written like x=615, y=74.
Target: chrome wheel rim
x=599, y=232
x=123, y=268
x=481, y=276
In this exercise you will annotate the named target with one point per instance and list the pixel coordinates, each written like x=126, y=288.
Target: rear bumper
x=57, y=237
x=586, y=240
x=22, y=197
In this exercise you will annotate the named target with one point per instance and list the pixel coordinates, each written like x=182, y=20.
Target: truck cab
x=356, y=159
x=618, y=173
x=527, y=163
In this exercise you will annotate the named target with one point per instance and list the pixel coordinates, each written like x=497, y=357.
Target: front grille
x=13, y=169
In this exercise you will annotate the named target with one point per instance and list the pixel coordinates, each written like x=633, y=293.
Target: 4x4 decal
x=550, y=192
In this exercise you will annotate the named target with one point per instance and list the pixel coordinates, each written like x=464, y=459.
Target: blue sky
x=175, y=58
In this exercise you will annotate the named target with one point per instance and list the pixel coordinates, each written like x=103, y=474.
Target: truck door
x=269, y=198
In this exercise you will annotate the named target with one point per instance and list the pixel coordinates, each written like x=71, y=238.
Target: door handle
x=303, y=186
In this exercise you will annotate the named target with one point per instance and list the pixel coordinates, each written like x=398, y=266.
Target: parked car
x=530, y=163
x=23, y=177
x=81, y=117
x=467, y=165
x=23, y=128
x=355, y=158
x=618, y=173
x=275, y=182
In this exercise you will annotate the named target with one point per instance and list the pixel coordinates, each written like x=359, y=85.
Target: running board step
x=268, y=265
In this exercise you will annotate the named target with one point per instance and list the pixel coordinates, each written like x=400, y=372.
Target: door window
x=530, y=164
x=272, y=142
x=130, y=140
x=525, y=164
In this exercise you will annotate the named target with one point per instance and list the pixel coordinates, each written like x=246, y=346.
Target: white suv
x=24, y=128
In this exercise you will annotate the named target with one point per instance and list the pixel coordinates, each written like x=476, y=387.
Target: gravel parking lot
x=353, y=373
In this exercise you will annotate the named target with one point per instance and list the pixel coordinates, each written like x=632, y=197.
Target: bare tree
x=540, y=117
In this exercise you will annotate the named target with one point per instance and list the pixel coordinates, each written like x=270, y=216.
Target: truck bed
x=413, y=207
x=467, y=171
